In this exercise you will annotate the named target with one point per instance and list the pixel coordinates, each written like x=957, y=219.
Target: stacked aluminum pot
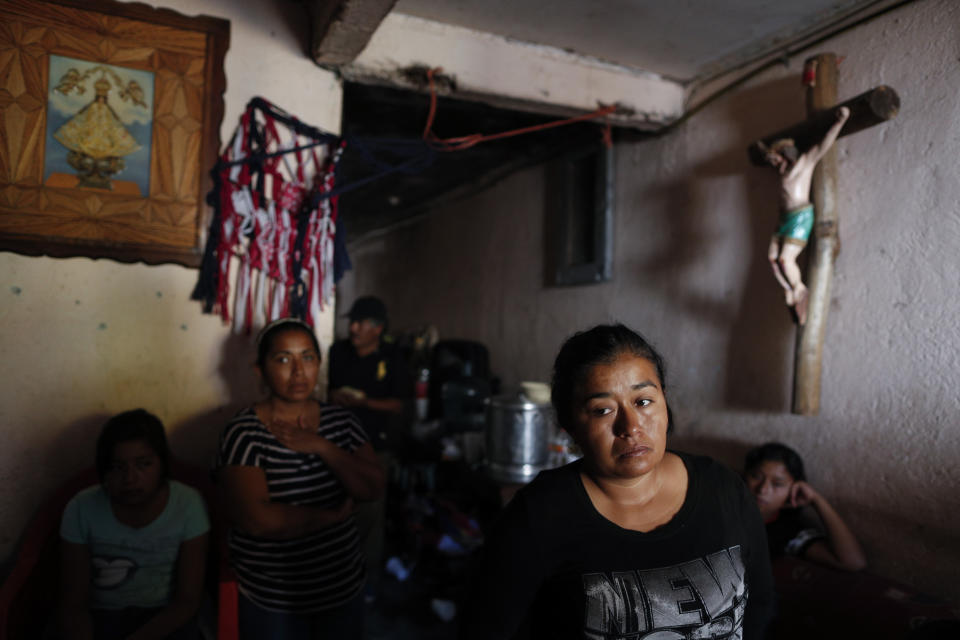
x=518, y=435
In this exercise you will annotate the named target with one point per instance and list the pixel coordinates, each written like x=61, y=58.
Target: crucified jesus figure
x=796, y=210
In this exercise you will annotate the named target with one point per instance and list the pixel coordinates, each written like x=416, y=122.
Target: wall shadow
x=759, y=325
x=727, y=451
x=194, y=440
x=760, y=350
x=74, y=447
x=299, y=23
x=45, y=472
x=687, y=242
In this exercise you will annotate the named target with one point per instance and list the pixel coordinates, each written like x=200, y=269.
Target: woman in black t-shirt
x=632, y=540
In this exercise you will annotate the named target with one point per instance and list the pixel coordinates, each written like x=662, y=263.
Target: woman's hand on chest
x=301, y=437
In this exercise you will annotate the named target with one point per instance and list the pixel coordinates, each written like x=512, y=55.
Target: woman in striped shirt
x=291, y=469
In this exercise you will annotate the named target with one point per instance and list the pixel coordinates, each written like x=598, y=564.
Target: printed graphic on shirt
x=703, y=598
x=381, y=370
x=110, y=573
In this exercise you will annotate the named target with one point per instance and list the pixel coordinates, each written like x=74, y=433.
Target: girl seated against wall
x=133, y=547
x=774, y=474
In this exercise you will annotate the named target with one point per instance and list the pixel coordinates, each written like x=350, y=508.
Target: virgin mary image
x=96, y=137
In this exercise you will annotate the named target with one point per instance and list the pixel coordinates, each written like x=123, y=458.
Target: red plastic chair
x=29, y=593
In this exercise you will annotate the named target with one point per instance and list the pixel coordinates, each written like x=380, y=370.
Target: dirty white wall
x=83, y=339
x=691, y=226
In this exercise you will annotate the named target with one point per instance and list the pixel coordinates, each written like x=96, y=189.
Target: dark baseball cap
x=368, y=308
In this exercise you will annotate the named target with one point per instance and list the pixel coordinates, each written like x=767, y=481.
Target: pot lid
x=515, y=401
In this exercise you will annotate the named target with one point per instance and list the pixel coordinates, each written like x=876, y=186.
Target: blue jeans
x=344, y=622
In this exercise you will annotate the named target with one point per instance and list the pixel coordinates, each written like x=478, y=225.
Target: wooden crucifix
x=804, y=156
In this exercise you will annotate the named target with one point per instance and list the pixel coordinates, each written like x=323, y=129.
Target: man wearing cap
x=368, y=376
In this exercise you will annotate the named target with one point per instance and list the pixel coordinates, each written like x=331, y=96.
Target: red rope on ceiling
x=465, y=142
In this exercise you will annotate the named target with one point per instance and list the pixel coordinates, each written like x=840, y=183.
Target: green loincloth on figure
x=795, y=226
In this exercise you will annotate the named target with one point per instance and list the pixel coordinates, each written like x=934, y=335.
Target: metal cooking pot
x=518, y=432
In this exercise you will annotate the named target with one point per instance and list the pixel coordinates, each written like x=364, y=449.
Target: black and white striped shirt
x=318, y=571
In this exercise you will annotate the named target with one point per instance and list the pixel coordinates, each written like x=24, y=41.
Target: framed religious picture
x=109, y=126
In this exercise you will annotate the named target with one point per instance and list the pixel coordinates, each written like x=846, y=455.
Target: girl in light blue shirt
x=134, y=546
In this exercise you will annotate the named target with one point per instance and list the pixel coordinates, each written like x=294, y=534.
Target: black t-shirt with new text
x=554, y=567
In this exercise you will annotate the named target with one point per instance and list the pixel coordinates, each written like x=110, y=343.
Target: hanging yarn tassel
x=284, y=238
x=328, y=230
x=258, y=192
x=244, y=207
x=262, y=259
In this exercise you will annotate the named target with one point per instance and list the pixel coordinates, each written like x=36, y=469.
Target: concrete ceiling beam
x=342, y=28
x=511, y=74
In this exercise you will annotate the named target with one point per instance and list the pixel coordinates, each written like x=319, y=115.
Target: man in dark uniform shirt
x=368, y=376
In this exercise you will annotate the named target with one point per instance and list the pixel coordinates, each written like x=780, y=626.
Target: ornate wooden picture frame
x=109, y=125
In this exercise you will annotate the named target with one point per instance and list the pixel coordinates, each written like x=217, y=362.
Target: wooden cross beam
x=866, y=110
